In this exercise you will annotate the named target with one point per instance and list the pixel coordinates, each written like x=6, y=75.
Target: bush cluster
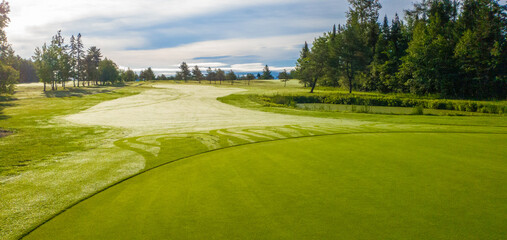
x=389, y=101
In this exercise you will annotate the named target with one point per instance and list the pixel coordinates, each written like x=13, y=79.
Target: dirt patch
x=4, y=133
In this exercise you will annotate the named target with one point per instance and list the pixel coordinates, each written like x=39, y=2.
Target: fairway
x=346, y=186
x=184, y=108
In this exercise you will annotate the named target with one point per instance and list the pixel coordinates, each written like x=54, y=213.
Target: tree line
x=186, y=74
x=449, y=48
x=58, y=62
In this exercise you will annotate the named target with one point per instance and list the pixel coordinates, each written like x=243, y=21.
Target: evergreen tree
x=354, y=59
x=26, y=69
x=481, y=49
x=429, y=66
x=220, y=75
x=185, y=72
x=147, y=75
x=197, y=74
x=210, y=75
x=266, y=73
x=317, y=61
x=73, y=60
x=92, y=61
x=365, y=13
x=80, y=60
x=302, y=67
x=46, y=62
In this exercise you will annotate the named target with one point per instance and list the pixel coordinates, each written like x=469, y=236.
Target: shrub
x=387, y=100
x=418, y=110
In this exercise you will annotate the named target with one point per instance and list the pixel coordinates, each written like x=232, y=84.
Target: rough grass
x=352, y=186
x=39, y=135
x=46, y=164
x=418, y=110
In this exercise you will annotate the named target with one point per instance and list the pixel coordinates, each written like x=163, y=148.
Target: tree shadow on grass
x=5, y=101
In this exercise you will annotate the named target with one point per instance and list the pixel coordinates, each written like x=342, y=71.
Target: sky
x=229, y=34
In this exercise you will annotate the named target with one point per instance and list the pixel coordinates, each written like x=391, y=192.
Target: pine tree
x=185, y=72
x=92, y=61
x=197, y=74
x=220, y=75
x=80, y=64
x=365, y=13
x=302, y=68
x=147, y=74
x=210, y=75
x=482, y=49
x=429, y=66
x=73, y=59
x=266, y=73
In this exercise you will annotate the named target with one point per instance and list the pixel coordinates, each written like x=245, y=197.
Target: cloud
x=163, y=33
x=258, y=49
x=257, y=67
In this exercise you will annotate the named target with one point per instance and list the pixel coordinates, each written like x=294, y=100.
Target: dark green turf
x=351, y=186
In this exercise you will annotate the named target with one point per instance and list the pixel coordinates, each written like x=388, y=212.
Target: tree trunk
x=285, y=84
x=314, y=84
x=44, y=86
x=350, y=84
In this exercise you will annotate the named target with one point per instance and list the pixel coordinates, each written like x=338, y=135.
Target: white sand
x=185, y=108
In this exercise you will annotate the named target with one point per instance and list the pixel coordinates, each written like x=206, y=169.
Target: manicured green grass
x=348, y=186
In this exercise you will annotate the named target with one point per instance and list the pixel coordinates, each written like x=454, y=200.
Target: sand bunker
x=185, y=108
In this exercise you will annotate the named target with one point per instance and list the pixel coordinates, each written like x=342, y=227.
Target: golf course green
x=343, y=186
